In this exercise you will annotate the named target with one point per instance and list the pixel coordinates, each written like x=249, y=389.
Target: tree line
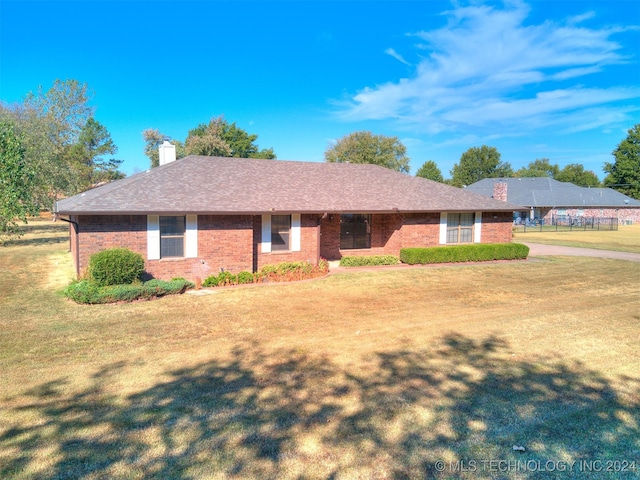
x=51, y=146
x=623, y=174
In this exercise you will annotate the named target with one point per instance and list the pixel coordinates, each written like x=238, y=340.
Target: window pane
x=172, y=225
x=466, y=235
x=452, y=235
x=171, y=246
x=172, y=236
x=466, y=219
x=280, y=232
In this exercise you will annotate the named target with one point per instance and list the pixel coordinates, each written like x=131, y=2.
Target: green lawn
x=358, y=375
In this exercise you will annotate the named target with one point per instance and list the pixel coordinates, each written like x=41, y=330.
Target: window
x=280, y=232
x=172, y=231
x=460, y=227
x=355, y=231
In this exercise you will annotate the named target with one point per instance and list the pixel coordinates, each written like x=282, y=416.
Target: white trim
x=443, y=228
x=153, y=237
x=191, y=237
x=266, y=234
x=295, y=232
x=477, y=228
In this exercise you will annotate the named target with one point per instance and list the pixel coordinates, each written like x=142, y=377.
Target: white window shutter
x=477, y=233
x=153, y=237
x=266, y=233
x=295, y=232
x=443, y=228
x=191, y=237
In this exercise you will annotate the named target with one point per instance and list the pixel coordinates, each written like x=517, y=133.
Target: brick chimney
x=500, y=190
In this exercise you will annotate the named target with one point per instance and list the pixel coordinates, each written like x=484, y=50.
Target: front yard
x=379, y=374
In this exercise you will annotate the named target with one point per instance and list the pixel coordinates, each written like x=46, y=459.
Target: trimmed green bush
x=479, y=252
x=89, y=292
x=115, y=266
x=245, y=277
x=368, y=261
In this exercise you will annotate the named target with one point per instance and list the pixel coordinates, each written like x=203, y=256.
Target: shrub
x=245, y=277
x=88, y=291
x=464, y=253
x=367, y=261
x=115, y=266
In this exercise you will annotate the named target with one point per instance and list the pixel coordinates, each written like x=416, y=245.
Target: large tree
x=624, y=172
x=16, y=182
x=430, y=170
x=61, y=139
x=478, y=163
x=576, y=174
x=541, y=167
x=365, y=147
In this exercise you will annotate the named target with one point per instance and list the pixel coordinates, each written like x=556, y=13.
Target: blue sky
x=537, y=79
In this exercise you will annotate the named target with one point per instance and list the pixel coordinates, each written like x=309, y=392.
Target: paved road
x=540, y=249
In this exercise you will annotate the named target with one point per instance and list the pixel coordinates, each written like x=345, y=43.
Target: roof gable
x=198, y=184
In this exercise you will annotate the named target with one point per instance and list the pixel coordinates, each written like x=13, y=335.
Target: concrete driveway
x=537, y=249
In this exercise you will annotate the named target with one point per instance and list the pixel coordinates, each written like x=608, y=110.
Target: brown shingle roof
x=198, y=184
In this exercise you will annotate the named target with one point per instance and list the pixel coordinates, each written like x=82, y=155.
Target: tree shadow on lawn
x=294, y=415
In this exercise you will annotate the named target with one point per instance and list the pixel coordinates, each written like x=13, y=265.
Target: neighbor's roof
x=198, y=184
x=547, y=192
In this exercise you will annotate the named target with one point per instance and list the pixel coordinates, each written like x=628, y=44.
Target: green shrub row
x=368, y=261
x=281, y=272
x=90, y=292
x=115, y=266
x=464, y=253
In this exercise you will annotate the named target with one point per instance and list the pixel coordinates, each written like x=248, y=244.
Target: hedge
x=90, y=292
x=480, y=252
x=368, y=260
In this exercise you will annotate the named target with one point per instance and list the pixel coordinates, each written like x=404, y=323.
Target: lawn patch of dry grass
x=625, y=239
x=359, y=375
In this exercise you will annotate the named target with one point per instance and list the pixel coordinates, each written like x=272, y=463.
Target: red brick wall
x=420, y=230
x=308, y=244
x=232, y=242
x=497, y=227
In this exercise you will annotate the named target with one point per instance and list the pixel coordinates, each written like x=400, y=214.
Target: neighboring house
x=195, y=216
x=548, y=199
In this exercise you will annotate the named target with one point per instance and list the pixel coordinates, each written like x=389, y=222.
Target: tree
x=624, y=172
x=541, y=167
x=87, y=153
x=430, y=170
x=365, y=147
x=576, y=174
x=153, y=139
x=16, y=182
x=478, y=163
x=51, y=124
x=217, y=138
x=206, y=139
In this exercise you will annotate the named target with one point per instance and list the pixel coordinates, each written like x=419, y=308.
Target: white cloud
x=489, y=69
x=396, y=55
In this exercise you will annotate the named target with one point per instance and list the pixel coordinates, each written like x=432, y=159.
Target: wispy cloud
x=396, y=55
x=489, y=69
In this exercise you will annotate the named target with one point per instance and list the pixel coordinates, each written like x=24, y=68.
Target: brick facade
x=233, y=242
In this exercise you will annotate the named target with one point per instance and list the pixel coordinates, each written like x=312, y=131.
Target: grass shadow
x=288, y=414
